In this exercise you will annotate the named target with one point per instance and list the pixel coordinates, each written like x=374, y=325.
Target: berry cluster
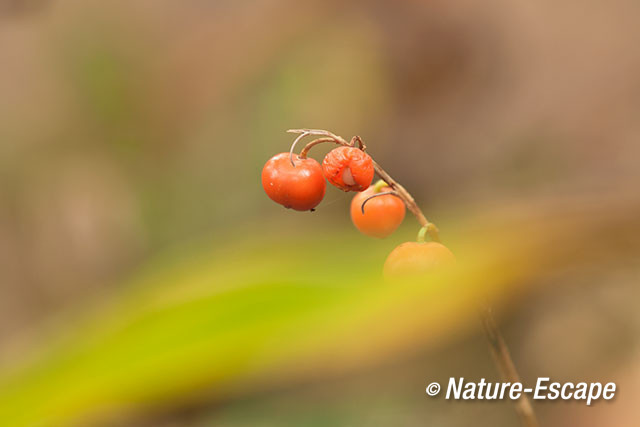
x=298, y=182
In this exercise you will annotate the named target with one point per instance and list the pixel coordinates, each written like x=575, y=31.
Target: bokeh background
x=145, y=278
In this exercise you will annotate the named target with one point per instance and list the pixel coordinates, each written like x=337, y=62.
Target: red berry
x=382, y=214
x=301, y=187
x=413, y=258
x=348, y=168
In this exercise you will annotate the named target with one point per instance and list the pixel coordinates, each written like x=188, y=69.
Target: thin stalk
x=502, y=358
x=305, y=150
x=423, y=232
x=409, y=201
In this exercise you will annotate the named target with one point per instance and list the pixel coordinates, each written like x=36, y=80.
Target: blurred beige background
x=129, y=127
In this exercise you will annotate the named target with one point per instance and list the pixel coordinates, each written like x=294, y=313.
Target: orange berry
x=301, y=187
x=382, y=215
x=348, y=168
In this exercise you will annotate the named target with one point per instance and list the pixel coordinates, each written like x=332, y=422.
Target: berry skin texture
x=382, y=214
x=301, y=187
x=348, y=168
x=415, y=259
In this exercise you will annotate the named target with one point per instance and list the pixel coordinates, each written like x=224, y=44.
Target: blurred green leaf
x=244, y=314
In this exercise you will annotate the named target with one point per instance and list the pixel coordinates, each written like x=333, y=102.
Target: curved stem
x=328, y=137
x=320, y=132
x=384, y=193
x=293, y=146
x=359, y=141
x=423, y=231
x=305, y=150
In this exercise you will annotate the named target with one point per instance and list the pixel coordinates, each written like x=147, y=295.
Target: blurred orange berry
x=414, y=258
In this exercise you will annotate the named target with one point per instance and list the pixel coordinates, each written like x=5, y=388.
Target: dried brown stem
x=399, y=189
x=305, y=150
x=499, y=349
x=320, y=132
x=409, y=201
x=502, y=358
x=327, y=137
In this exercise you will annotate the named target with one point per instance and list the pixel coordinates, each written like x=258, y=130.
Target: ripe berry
x=348, y=168
x=301, y=187
x=414, y=258
x=382, y=214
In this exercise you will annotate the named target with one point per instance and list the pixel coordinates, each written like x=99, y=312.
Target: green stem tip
x=429, y=228
x=377, y=187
